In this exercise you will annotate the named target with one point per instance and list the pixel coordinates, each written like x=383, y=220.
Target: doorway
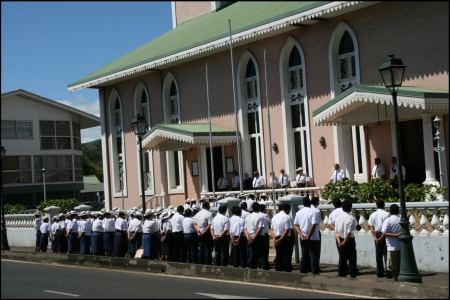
x=218, y=166
x=412, y=151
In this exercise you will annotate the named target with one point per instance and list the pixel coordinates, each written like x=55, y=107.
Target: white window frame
x=15, y=130
x=20, y=171
x=138, y=108
x=56, y=136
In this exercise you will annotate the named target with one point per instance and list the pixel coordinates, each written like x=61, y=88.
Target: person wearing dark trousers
x=314, y=235
x=97, y=236
x=190, y=237
x=252, y=231
x=72, y=234
x=108, y=224
x=375, y=222
x=134, y=233
x=179, y=253
x=82, y=235
x=202, y=225
x=61, y=234
x=238, y=240
x=120, y=244
x=345, y=239
x=391, y=232
x=45, y=228
x=265, y=238
x=282, y=225
x=53, y=235
x=37, y=226
x=302, y=225
x=220, y=232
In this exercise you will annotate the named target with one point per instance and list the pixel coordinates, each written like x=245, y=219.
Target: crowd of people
x=239, y=237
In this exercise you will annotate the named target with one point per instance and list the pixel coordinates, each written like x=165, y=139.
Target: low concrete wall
x=21, y=237
x=431, y=252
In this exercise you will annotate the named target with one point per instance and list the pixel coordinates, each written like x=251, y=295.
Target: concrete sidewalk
x=435, y=285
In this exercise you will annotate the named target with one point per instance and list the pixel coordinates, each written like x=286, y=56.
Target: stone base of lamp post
x=408, y=267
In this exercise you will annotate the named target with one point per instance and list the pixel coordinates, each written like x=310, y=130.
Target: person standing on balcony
x=337, y=174
x=377, y=170
x=258, y=181
x=235, y=182
x=247, y=183
x=283, y=180
x=375, y=222
x=302, y=178
x=222, y=183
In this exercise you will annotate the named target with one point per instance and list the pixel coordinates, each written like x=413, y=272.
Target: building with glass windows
x=326, y=98
x=41, y=133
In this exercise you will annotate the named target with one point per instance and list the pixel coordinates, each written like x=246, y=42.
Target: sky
x=47, y=45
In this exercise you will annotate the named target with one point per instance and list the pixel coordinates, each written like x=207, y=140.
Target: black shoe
x=381, y=275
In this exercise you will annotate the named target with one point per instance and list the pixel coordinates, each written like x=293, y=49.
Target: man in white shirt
x=203, y=221
x=316, y=237
x=82, y=229
x=375, y=222
x=265, y=238
x=44, y=228
x=222, y=183
x=283, y=238
x=61, y=234
x=252, y=230
x=37, y=226
x=108, y=224
x=190, y=237
x=391, y=231
x=53, y=231
x=72, y=233
x=134, y=233
x=273, y=180
x=345, y=239
x=283, y=180
x=244, y=211
x=235, y=181
x=301, y=178
x=393, y=173
x=179, y=253
x=337, y=174
x=258, y=181
x=237, y=237
x=120, y=244
x=250, y=199
x=220, y=232
x=337, y=203
x=377, y=170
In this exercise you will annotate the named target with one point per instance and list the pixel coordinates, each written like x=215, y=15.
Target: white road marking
x=61, y=293
x=53, y=264
x=218, y=296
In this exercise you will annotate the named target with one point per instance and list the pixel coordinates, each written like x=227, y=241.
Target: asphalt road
x=43, y=281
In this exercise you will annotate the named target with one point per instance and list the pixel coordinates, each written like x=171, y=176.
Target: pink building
x=326, y=98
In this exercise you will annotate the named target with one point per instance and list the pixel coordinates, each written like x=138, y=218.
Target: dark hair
x=188, y=212
x=394, y=209
x=286, y=208
x=255, y=206
x=337, y=203
x=121, y=214
x=236, y=210
x=315, y=201
x=262, y=207
x=380, y=203
x=243, y=205
x=222, y=209
x=306, y=202
x=347, y=206
x=206, y=205
x=180, y=209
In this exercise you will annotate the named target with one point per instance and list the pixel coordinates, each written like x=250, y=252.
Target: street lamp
x=139, y=125
x=5, y=245
x=439, y=148
x=392, y=71
x=43, y=181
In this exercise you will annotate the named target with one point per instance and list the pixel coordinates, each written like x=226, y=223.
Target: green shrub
x=421, y=192
x=13, y=208
x=64, y=204
x=376, y=189
x=343, y=190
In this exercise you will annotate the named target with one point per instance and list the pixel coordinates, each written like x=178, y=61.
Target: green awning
x=177, y=137
x=366, y=104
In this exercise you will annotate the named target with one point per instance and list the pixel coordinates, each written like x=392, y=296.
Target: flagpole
x=210, y=134
x=270, y=132
x=238, y=140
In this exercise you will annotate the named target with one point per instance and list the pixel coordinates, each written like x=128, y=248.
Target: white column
x=343, y=153
x=203, y=169
x=428, y=150
x=443, y=154
x=163, y=172
x=105, y=157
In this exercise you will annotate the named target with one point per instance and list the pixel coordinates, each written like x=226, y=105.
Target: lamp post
x=439, y=148
x=5, y=245
x=43, y=181
x=139, y=125
x=392, y=71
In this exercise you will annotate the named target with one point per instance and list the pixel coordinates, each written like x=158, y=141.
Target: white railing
x=306, y=191
x=436, y=225
x=19, y=221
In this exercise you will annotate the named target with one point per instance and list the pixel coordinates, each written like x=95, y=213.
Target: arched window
x=117, y=145
x=347, y=64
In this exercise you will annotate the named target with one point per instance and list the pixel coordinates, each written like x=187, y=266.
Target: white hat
x=45, y=218
x=263, y=195
x=61, y=215
x=194, y=206
x=166, y=214
x=170, y=207
x=148, y=212
x=299, y=169
x=158, y=210
x=103, y=210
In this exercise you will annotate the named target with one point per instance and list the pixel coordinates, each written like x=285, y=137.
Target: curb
x=357, y=287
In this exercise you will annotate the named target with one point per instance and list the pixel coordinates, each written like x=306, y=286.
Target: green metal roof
x=196, y=129
x=406, y=91
x=90, y=179
x=204, y=29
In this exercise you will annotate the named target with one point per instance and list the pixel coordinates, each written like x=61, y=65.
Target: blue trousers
x=97, y=243
x=73, y=243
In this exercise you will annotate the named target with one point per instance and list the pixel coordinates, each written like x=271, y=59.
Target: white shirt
x=236, y=225
x=121, y=224
x=252, y=223
x=275, y=181
x=135, y=225
x=244, y=214
x=37, y=223
x=235, y=182
x=177, y=222
x=258, y=182
x=165, y=226
x=345, y=223
x=62, y=224
x=314, y=218
x=302, y=219
x=334, y=214
x=249, y=202
x=284, y=179
x=222, y=183
x=72, y=226
x=377, y=171
x=81, y=226
x=219, y=224
x=108, y=224
x=337, y=175
x=150, y=226
x=203, y=218
x=302, y=178
x=266, y=223
x=44, y=228
x=188, y=225
x=280, y=222
x=88, y=225
x=97, y=225
x=393, y=172
x=54, y=227
x=392, y=225
x=377, y=218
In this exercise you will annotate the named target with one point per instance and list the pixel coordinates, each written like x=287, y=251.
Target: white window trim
x=243, y=123
x=289, y=152
x=114, y=170
x=334, y=74
x=174, y=14
x=137, y=108
x=167, y=119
